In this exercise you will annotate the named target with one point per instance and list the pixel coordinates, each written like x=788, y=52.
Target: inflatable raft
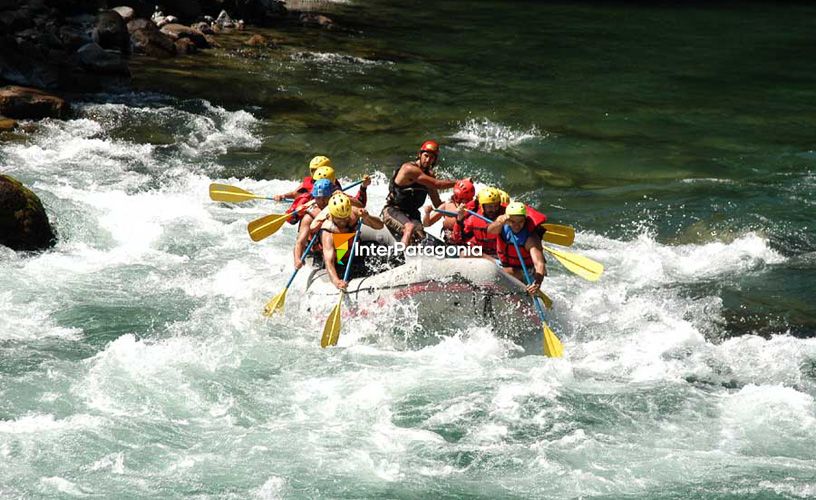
x=441, y=295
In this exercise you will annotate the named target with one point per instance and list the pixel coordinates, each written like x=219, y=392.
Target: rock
x=111, y=32
x=256, y=41
x=95, y=59
x=27, y=103
x=204, y=28
x=127, y=13
x=211, y=40
x=23, y=221
x=73, y=38
x=308, y=19
x=185, y=46
x=7, y=124
x=147, y=39
x=177, y=31
x=224, y=20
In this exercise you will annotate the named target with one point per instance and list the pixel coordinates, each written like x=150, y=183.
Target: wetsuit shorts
x=395, y=219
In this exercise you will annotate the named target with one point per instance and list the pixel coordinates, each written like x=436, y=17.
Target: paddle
x=276, y=303
x=268, y=225
x=584, y=267
x=331, y=331
x=232, y=194
x=552, y=346
x=555, y=233
x=558, y=234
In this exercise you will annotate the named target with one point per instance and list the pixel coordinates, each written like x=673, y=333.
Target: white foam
x=63, y=485
x=487, y=135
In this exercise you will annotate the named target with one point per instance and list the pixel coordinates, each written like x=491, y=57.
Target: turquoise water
x=136, y=363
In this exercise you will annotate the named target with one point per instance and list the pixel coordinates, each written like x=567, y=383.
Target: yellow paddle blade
x=559, y=235
x=331, y=332
x=552, y=346
x=275, y=304
x=231, y=194
x=266, y=226
x=545, y=299
x=582, y=266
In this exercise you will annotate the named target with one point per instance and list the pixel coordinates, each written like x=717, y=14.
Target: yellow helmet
x=516, y=208
x=489, y=195
x=505, y=198
x=319, y=161
x=324, y=173
x=339, y=205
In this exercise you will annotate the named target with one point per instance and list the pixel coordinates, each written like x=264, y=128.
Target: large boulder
x=95, y=59
x=147, y=39
x=111, y=32
x=28, y=103
x=23, y=222
x=127, y=13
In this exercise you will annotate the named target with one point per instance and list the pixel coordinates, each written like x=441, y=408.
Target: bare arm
x=302, y=239
x=429, y=219
x=495, y=227
x=533, y=245
x=410, y=173
x=369, y=220
x=328, y=256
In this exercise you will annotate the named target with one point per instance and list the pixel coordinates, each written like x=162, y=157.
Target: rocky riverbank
x=52, y=50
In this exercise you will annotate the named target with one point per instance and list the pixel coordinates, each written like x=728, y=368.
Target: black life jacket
x=407, y=198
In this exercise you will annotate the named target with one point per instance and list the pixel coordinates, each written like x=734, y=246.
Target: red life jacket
x=299, y=201
x=306, y=185
x=507, y=251
x=474, y=233
x=537, y=217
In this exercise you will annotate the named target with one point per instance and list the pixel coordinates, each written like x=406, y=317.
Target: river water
x=134, y=361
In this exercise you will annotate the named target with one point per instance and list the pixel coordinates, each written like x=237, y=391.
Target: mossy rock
x=23, y=222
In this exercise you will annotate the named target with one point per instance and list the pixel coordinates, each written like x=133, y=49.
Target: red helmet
x=430, y=147
x=463, y=190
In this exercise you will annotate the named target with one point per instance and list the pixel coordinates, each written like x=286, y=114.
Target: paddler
x=516, y=224
x=472, y=230
x=327, y=172
x=463, y=194
x=321, y=191
x=341, y=217
x=308, y=182
x=410, y=185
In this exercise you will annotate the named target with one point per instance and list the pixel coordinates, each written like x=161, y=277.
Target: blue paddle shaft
x=351, y=250
x=303, y=257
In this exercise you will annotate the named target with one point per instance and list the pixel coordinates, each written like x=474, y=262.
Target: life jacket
x=306, y=185
x=473, y=232
x=507, y=251
x=538, y=219
x=407, y=198
x=299, y=201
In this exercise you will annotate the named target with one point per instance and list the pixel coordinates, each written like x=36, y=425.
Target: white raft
x=439, y=295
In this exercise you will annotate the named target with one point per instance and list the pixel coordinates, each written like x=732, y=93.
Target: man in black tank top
x=410, y=186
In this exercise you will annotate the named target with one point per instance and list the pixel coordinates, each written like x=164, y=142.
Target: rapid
x=135, y=361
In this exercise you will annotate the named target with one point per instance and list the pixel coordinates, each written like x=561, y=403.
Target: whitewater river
x=135, y=362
